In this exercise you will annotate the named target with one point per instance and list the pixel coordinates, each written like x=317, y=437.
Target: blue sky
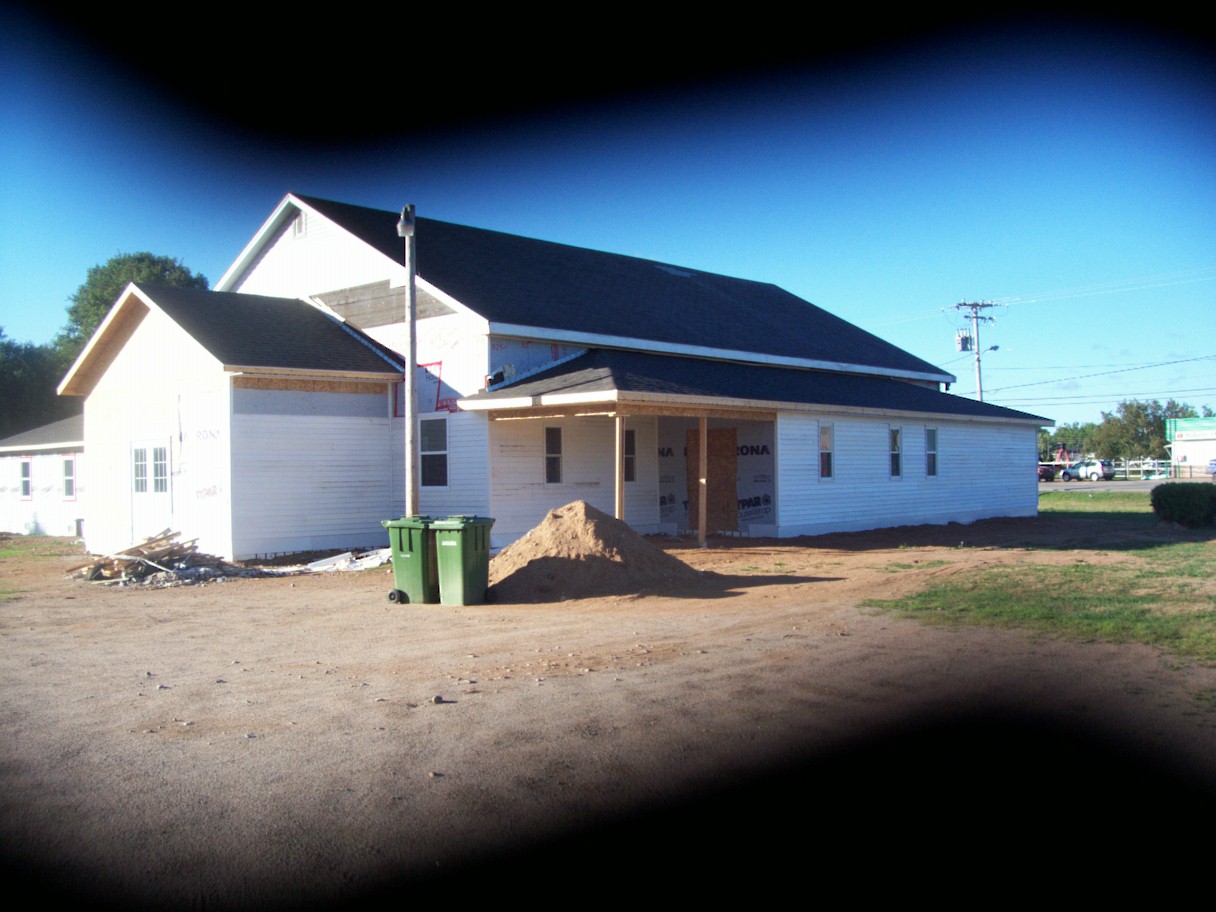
x=1066, y=170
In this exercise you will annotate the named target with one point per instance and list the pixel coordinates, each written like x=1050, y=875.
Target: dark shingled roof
x=64, y=431
x=604, y=370
x=517, y=280
x=246, y=330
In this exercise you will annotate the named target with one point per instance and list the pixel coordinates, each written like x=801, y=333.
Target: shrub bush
x=1190, y=505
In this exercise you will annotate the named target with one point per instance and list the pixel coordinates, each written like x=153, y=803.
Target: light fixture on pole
x=971, y=342
x=405, y=229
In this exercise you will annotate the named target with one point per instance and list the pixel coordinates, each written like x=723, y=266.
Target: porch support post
x=619, y=506
x=702, y=478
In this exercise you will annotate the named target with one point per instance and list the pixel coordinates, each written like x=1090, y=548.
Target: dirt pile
x=578, y=551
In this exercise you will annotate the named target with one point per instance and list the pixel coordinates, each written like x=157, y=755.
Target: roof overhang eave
x=655, y=403
x=291, y=373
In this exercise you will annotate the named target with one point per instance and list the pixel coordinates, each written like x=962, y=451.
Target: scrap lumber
x=159, y=553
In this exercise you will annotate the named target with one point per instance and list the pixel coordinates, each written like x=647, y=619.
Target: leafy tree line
x=1134, y=430
x=30, y=373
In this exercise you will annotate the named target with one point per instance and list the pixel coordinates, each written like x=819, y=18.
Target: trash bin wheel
x=397, y=597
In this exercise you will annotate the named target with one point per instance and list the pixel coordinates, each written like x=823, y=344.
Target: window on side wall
x=896, y=450
x=553, y=455
x=433, y=450
x=69, y=478
x=631, y=456
x=930, y=452
x=825, y=451
x=27, y=479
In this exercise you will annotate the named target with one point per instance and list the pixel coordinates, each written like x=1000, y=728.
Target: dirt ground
x=301, y=741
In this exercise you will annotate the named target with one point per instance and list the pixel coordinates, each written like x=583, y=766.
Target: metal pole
x=975, y=335
x=405, y=229
x=619, y=502
x=702, y=479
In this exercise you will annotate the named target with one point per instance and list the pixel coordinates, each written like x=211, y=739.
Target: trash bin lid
x=408, y=522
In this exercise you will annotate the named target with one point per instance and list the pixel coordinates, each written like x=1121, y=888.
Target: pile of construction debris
x=163, y=560
x=160, y=560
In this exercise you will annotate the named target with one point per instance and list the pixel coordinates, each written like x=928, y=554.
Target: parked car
x=1047, y=472
x=1093, y=469
x=1212, y=468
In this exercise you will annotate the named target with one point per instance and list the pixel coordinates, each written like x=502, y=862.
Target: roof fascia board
x=69, y=386
x=596, y=340
x=65, y=445
x=276, y=220
x=94, y=340
x=299, y=373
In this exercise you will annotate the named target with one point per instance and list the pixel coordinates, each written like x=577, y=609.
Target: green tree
x=29, y=374
x=1137, y=429
x=104, y=283
x=1076, y=437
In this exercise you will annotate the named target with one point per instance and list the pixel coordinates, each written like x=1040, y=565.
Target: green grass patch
x=14, y=546
x=1081, y=601
x=918, y=565
x=1132, y=505
x=779, y=567
x=1160, y=595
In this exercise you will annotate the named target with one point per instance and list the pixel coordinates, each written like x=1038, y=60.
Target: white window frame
x=895, y=445
x=27, y=478
x=432, y=453
x=828, y=429
x=553, y=456
x=931, y=452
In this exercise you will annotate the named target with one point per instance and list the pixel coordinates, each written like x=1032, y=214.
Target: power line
x=1122, y=370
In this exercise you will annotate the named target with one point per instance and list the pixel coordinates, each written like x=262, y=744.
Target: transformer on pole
x=965, y=341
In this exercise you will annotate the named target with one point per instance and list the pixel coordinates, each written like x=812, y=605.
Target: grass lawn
x=1162, y=595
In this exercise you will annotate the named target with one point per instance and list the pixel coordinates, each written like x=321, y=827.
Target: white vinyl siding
x=33, y=499
x=858, y=499
x=306, y=479
x=520, y=496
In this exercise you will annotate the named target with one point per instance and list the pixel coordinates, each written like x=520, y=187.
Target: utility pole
x=973, y=342
x=405, y=229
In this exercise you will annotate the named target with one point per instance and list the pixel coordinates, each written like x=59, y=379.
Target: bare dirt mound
x=578, y=551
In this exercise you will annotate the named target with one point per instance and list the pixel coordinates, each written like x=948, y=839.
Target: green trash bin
x=415, y=573
x=463, y=546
